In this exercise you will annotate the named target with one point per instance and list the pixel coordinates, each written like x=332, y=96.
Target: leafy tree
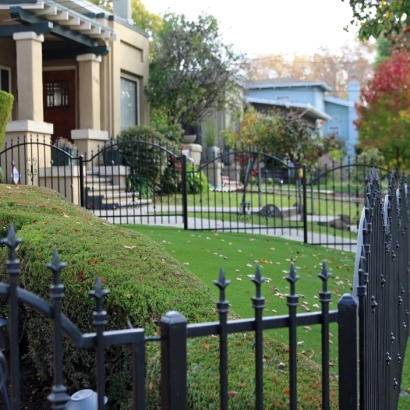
x=377, y=17
x=192, y=70
x=284, y=136
x=384, y=113
x=331, y=67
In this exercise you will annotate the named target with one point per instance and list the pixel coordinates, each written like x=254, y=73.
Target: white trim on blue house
x=307, y=108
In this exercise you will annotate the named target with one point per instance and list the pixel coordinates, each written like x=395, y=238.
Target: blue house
x=331, y=115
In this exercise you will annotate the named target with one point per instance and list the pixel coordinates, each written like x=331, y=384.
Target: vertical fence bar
x=173, y=361
x=138, y=371
x=325, y=299
x=13, y=270
x=100, y=320
x=58, y=397
x=222, y=308
x=258, y=305
x=82, y=195
x=184, y=192
x=292, y=303
x=304, y=206
x=348, y=358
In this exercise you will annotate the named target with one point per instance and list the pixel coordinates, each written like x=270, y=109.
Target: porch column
x=89, y=91
x=29, y=76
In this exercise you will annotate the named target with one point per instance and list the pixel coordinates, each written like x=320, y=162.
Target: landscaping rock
x=271, y=211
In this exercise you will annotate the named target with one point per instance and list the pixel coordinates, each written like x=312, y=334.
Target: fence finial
x=12, y=242
x=258, y=280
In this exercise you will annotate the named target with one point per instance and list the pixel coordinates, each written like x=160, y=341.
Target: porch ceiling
x=65, y=22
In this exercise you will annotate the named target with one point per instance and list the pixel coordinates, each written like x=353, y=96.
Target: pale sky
x=271, y=26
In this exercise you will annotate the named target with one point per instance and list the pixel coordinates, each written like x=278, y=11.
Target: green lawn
x=204, y=253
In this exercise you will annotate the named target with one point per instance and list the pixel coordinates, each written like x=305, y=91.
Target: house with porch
x=76, y=71
x=332, y=115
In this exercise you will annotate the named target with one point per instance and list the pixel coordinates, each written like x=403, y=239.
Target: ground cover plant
x=145, y=282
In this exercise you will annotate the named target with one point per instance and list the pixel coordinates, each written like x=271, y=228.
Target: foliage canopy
x=377, y=17
x=285, y=136
x=191, y=69
x=384, y=113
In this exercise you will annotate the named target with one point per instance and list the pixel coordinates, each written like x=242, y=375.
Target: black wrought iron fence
x=382, y=288
x=140, y=181
x=173, y=339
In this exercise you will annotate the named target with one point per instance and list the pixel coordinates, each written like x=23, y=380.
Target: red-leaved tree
x=384, y=111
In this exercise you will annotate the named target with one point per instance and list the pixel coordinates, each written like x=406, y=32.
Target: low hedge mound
x=144, y=282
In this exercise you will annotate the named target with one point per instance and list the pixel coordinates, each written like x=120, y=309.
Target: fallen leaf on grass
x=232, y=393
x=65, y=215
x=93, y=260
x=249, y=265
x=238, y=278
x=276, y=404
x=206, y=345
x=129, y=247
x=264, y=261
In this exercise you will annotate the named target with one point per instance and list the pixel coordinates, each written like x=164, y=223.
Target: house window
x=129, y=102
x=57, y=94
x=334, y=131
x=4, y=79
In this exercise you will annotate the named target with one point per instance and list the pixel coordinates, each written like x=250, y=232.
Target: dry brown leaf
x=129, y=247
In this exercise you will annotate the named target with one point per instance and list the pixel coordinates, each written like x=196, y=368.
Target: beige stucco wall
x=128, y=54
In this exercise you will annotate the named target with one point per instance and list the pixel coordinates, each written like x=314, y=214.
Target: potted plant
x=63, y=156
x=209, y=134
x=112, y=153
x=6, y=105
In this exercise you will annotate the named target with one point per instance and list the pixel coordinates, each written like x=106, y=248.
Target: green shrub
x=146, y=153
x=145, y=283
x=6, y=105
x=2, y=180
x=197, y=181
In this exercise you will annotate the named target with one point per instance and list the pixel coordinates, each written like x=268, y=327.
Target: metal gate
x=246, y=191
x=135, y=182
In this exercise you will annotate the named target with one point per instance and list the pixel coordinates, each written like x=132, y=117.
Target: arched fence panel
x=34, y=161
x=135, y=181
x=335, y=198
x=246, y=190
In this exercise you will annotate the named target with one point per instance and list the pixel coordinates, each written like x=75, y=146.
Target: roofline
x=338, y=101
x=291, y=85
x=287, y=104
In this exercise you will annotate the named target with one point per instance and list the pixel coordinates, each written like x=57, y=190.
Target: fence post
x=304, y=207
x=82, y=195
x=348, y=357
x=184, y=193
x=173, y=361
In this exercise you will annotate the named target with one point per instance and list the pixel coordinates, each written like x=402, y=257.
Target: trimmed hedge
x=6, y=105
x=144, y=284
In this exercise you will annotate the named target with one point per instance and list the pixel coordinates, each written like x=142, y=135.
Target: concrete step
x=96, y=180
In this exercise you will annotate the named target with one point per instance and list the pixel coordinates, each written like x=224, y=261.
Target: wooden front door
x=59, y=101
